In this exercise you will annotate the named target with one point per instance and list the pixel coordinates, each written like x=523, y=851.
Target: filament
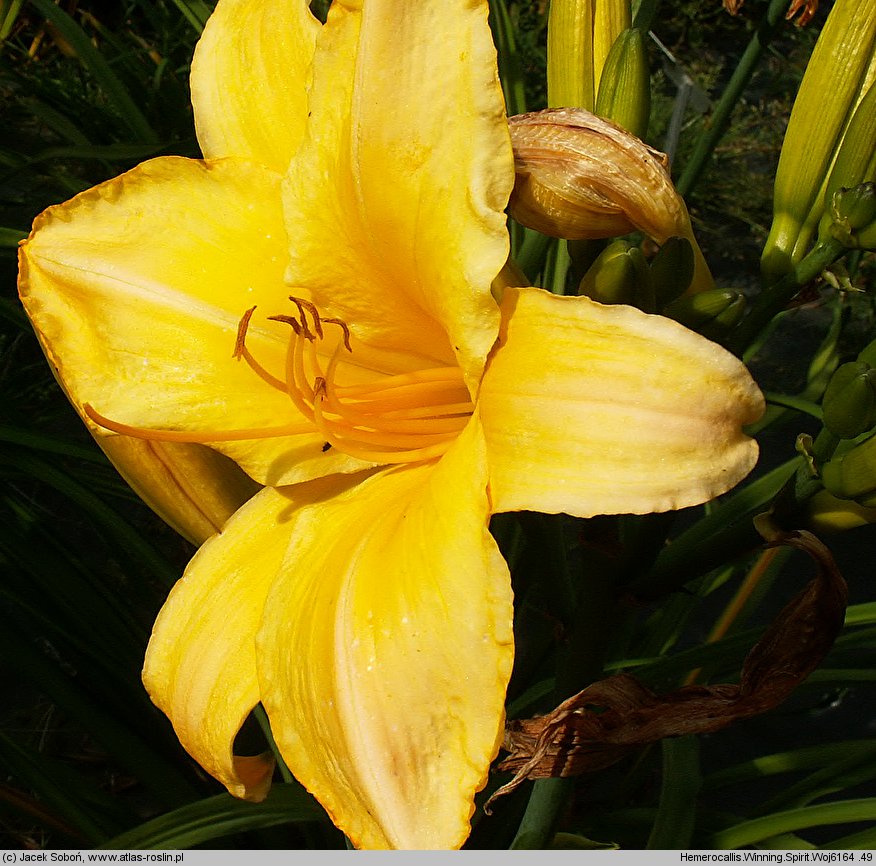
x=401, y=418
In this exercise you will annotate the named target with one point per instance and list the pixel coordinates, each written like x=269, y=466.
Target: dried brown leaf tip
x=610, y=718
x=808, y=7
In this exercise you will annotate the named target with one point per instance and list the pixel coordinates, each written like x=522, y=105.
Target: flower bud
x=619, y=276
x=826, y=514
x=672, y=270
x=579, y=176
x=853, y=215
x=579, y=39
x=711, y=313
x=855, y=161
x=625, y=85
x=849, y=404
x=838, y=75
x=852, y=474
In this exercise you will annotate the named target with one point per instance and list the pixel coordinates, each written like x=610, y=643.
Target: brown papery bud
x=582, y=177
x=579, y=176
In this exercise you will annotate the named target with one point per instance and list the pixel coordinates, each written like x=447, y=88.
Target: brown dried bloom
x=582, y=177
x=579, y=176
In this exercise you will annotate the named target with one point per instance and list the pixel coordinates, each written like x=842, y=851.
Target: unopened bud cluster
x=830, y=142
x=849, y=412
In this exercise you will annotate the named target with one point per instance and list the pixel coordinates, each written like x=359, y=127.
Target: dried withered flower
x=580, y=176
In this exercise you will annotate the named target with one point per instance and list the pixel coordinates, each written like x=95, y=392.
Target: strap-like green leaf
x=220, y=816
x=750, y=832
x=97, y=65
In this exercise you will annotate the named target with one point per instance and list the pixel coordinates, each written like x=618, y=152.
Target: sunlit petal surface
x=590, y=409
x=249, y=78
x=386, y=648
x=409, y=204
x=200, y=665
x=136, y=288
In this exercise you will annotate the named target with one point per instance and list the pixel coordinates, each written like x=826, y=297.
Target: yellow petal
x=200, y=665
x=395, y=201
x=592, y=409
x=386, y=649
x=193, y=489
x=249, y=77
x=136, y=287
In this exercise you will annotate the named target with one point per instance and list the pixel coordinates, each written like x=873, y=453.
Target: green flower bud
x=712, y=313
x=826, y=514
x=853, y=210
x=855, y=160
x=850, y=400
x=579, y=39
x=619, y=276
x=625, y=86
x=672, y=269
x=838, y=75
x=852, y=475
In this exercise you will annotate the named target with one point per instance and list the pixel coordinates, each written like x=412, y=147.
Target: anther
x=346, y=331
x=296, y=326
x=314, y=314
x=242, y=328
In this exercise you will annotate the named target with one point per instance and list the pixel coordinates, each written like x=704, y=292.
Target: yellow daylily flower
x=313, y=300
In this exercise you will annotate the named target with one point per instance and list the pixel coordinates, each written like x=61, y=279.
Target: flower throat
x=403, y=418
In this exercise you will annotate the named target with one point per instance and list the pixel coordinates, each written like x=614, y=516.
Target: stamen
x=410, y=398
x=346, y=331
x=428, y=423
x=447, y=410
x=378, y=455
x=240, y=351
x=242, y=328
x=301, y=395
x=291, y=320
x=401, y=418
x=303, y=305
x=196, y=436
x=434, y=374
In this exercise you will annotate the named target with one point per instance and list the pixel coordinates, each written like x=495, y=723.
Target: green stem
x=539, y=822
x=773, y=300
x=676, y=814
x=581, y=662
x=737, y=84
